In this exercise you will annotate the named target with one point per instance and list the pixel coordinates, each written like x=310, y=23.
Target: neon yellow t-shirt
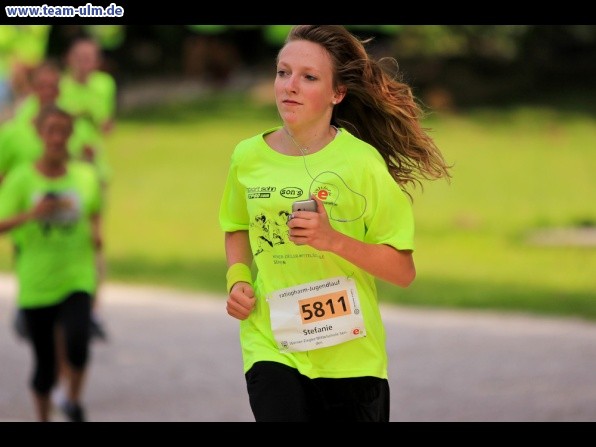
x=20, y=142
x=93, y=104
x=94, y=100
x=27, y=109
x=85, y=134
x=54, y=257
x=362, y=200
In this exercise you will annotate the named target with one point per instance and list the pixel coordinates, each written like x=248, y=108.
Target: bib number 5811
x=324, y=307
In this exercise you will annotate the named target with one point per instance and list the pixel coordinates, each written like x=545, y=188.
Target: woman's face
x=46, y=86
x=55, y=131
x=83, y=59
x=304, y=83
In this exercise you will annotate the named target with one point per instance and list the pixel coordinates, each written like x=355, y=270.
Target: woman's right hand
x=45, y=207
x=241, y=300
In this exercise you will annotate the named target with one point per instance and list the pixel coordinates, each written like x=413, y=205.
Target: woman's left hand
x=312, y=228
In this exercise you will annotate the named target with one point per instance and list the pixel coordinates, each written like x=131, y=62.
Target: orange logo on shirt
x=322, y=193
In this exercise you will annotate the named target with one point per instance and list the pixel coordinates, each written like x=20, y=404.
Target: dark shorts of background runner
x=74, y=316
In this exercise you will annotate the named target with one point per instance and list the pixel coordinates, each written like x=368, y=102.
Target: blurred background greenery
x=512, y=107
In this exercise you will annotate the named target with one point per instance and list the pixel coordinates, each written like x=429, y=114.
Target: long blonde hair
x=378, y=107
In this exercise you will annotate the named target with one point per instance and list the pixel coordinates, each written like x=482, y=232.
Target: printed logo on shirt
x=269, y=230
x=67, y=213
x=260, y=192
x=291, y=192
x=322, y=193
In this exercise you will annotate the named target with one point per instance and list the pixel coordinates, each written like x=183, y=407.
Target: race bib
x=316, y=315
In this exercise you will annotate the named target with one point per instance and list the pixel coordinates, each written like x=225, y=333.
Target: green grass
x=515, y=170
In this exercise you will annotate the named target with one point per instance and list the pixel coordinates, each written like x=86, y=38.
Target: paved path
x=174, y=356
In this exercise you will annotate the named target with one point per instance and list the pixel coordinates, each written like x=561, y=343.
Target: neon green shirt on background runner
x=20, y=141
x=53, y=257
x=361, y=199
x=94, y=100
x=92, y=103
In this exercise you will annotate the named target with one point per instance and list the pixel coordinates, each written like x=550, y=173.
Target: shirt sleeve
x=233, y=212
x=389, y=217
x=91, y=186
x=5, y=153
x=106, y=107
x=11, y=195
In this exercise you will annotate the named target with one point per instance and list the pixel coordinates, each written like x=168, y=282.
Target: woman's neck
x=81, y=77
x=50, y=168
x=309, y=141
